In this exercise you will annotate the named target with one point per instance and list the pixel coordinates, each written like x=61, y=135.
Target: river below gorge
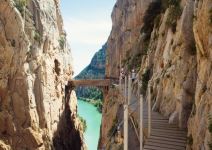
x=93, y=120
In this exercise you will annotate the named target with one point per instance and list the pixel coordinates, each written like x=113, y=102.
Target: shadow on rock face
x=67, y=137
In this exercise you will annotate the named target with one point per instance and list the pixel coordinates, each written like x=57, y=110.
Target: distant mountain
x=95, y=70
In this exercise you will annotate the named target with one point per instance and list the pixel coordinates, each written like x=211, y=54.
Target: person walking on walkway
x=133, y=75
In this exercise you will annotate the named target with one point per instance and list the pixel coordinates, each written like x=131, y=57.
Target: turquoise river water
x=93, y=121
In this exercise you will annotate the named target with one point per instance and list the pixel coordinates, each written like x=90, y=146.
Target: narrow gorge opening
x=90, y=113
x=143, y=74
x=89, y=26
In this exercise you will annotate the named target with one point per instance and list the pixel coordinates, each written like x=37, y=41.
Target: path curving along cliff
x=169, y=44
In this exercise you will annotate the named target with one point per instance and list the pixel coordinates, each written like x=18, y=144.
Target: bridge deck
x=92, y=82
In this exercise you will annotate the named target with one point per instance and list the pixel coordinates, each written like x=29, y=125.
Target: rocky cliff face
x=35, y=65
x=169, y=43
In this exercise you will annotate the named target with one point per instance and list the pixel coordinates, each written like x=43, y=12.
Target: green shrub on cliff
x=210, y=146
x=62, y=42
x=210, y=124
x=37, y=36
x=210, y=16
x=133, y=62
x=152, y=12
x=20, y=5
x=190, y=140
x=175, y=12
x=83, y=122
x=145, y=80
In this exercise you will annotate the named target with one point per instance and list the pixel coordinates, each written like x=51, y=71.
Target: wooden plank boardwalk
x=164, y=136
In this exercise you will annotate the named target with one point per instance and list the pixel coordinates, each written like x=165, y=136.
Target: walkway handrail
x=141, y=98
x=141, y=121
x=127, y=98
x=126, y=115
x=134, y=126
x=126, y=109
x=149, y=112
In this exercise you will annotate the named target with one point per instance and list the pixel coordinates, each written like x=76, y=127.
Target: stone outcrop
x=169, y=44
x=111, y=115
x=35, y=65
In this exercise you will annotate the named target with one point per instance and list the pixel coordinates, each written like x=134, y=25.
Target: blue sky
x=88, y=25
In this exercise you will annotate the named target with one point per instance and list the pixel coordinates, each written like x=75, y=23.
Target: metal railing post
x=125, y=116
x=129, y=89
x=140, y=96
x=149, y=113
x=125, y=89
x=125, y=127
x=120, y=84
x=141, y=122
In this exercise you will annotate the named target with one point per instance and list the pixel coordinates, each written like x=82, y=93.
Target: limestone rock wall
x=169, y=45
x=35, y=65
x=200, y=123
x=110, y=118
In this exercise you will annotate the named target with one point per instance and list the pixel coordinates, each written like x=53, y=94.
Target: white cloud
x=86, y=32
x=85, y=38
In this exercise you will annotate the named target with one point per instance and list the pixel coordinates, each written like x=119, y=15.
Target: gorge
x=90, y=99
x=167, y=42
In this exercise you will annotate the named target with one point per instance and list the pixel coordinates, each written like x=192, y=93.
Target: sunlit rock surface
x=35, y=65
x=170, y=46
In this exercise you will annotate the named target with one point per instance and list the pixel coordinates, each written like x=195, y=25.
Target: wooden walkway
x=164, y=136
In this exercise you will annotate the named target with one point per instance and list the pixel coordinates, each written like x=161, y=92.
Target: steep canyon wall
x=169, y=44
x=35, y=65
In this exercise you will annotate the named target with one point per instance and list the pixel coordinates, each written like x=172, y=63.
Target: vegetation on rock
x=210, y=125
x=190, y=140
x=210, y=16
x=95, y=70
x=62, y=41
x=96, y=102
x=175, y=12
x=177, y=62
x=37, y=36
x=210, y=130
x=145, y=80
x=20, y=5
x=83, y=122
x=152, y=12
